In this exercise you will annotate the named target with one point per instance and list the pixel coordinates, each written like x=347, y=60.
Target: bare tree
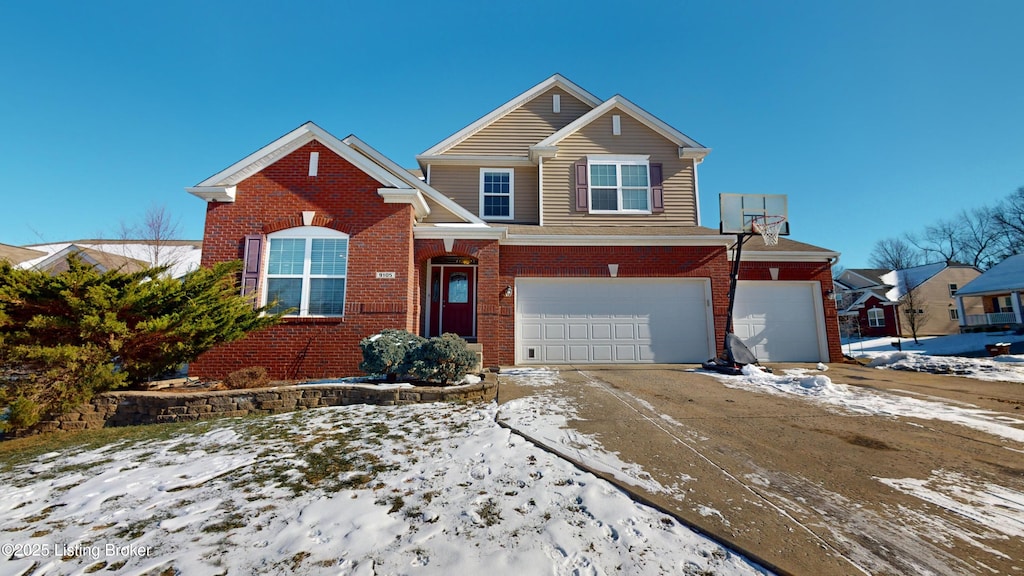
x=940, y=241
x=1009, y=219
x=980, y=237
x=894, y=254
x=912, y=305
x=158, y=229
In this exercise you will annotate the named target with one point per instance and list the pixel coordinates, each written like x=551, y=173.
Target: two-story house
x=558, y=229
x=899, y=303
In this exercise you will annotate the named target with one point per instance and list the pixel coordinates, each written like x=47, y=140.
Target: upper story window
x=952, y=289
x=876, y=318
x=496, y=191
x=306, y=271
x=619, y=184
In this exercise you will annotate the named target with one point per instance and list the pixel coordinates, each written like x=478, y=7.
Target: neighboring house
x=999, y=290
x=864, y=309
x=886, y=302
x=180, y=256
x=15, y=255
x=559, y=228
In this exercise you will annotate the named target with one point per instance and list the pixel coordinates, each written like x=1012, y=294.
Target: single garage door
x=781, y=321
x=604, y=320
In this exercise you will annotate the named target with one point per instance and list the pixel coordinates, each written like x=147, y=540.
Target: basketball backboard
x=739, y=210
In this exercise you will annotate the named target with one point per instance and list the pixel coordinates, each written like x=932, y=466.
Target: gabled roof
x=863, y=277
x=693, y=148
x=104, y=261
x=182, y=256
x=1007, y=276
x=221, y=185
x=499, y=112
x=903, y=281
x=410, y=179
x=16, y=254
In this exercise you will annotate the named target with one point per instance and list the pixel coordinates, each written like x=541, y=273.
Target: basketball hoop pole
x=733, y=281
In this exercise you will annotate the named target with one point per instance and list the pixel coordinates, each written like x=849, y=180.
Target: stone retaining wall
x=130, y=408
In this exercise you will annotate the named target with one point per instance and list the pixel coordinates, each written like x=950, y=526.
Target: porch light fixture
x=507, y=292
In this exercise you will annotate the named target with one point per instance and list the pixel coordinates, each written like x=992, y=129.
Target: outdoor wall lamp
x=507, y=292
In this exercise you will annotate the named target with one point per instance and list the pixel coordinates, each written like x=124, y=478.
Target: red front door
x=454, y=306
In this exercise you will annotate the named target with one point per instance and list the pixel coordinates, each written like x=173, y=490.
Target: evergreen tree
x=66, y=337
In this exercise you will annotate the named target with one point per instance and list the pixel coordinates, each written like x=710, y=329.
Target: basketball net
x=768, y=227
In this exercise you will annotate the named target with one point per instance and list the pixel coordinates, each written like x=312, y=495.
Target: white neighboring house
x=999, y=289
x=182, y=256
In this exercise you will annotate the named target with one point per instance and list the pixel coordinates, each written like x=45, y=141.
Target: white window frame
x=876, y=318
x=954, y=314
x=952, y=289
x=511, y=192
x=307, y=233
x=618, y=161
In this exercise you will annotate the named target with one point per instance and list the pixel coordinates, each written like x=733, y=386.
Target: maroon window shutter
x=582, y=190
x=251, y=265
x=657, y=190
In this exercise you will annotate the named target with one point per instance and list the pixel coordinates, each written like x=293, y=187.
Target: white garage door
x=781, y=321
x=604, y=320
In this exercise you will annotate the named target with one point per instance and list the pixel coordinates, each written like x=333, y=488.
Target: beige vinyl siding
x=523, y=127
x=933, y=297
x=439, y=213
x=636, y=138
x=462, y=184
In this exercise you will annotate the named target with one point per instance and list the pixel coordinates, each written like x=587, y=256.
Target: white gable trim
x=427, y=190
x=287, y=144
x=688, y=147
x=499, y=112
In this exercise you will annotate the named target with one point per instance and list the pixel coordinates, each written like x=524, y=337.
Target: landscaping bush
x=389, y=353
x=69, y=336
x=444, y=359
x=252, y=377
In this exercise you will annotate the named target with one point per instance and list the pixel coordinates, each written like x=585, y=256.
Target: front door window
x=458, y=288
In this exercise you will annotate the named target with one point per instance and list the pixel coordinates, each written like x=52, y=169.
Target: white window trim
x=618, y=160
x=307, y=233
x=876, y=320
x=511, y=193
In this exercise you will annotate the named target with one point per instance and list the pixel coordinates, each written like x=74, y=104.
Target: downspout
x=696, y=191
x=540, y=191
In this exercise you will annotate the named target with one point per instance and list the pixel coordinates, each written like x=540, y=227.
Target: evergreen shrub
x=389, y=353
x=444, y=359
x=69, y=336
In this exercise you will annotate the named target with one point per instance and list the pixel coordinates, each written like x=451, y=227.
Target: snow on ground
x=995, y=507
x=425, y=489
x=546, y=416
x=939, y=355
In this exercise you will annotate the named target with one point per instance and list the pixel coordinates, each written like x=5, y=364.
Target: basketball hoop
x=768, y=227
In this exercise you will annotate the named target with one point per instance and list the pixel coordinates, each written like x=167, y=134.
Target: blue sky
x=874, y=117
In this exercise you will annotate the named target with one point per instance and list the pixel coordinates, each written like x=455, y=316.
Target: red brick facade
x=380, y=240
x=345, y=198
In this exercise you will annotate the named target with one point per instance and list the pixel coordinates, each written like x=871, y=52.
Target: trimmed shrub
x=444, y=359
x=390, y=353
x=252, y=377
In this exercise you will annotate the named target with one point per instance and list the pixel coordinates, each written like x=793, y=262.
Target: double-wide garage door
x=599, y=320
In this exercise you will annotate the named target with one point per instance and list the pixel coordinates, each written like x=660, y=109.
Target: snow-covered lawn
x=938, y=355
x=427, y=489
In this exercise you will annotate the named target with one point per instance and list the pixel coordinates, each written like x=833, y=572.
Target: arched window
x=306, y=271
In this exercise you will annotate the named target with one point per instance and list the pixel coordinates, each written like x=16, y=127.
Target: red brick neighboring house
x=559, y=228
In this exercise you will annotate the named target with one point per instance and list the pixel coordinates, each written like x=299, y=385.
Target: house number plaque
x=386, y=275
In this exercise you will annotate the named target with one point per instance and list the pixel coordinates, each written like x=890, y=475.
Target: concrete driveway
x=799, y=486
